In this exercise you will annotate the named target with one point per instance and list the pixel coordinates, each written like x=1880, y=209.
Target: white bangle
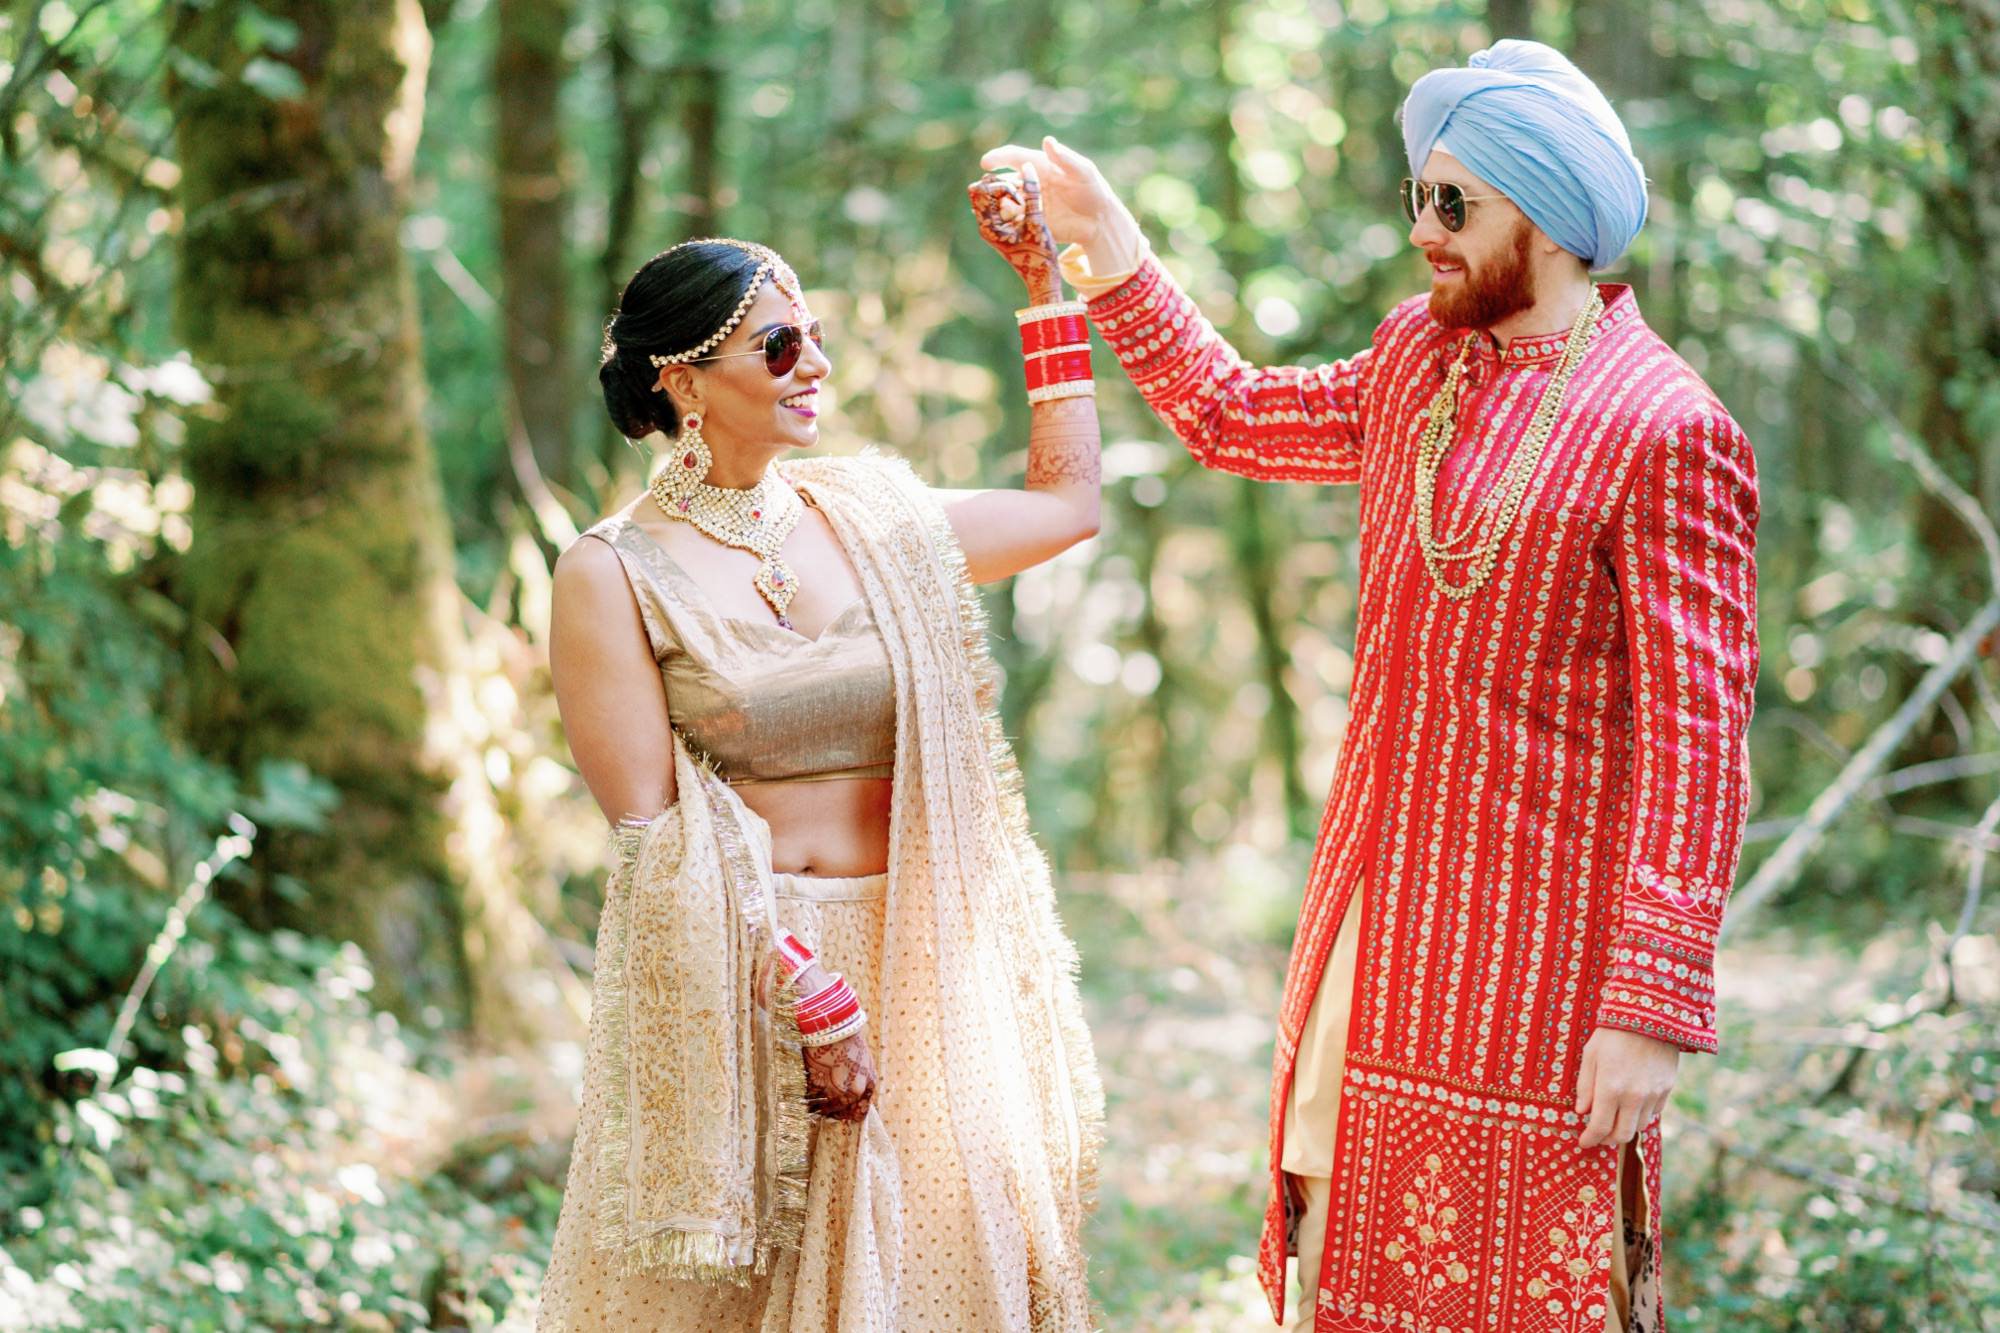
x=834, y=1034
x=1035, y=313
x=1049, y=393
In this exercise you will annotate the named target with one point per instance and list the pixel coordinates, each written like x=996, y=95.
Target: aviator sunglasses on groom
x=1449, y=200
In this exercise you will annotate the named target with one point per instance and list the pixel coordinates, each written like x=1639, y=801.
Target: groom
x=1509, y=927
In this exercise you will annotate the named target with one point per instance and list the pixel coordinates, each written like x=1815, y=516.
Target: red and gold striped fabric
x=1543, y=787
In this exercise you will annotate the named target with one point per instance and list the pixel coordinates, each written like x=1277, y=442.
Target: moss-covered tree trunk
x=701, y=75
x=320, y=572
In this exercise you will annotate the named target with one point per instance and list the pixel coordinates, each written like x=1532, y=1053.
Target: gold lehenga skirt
x=927, y=1228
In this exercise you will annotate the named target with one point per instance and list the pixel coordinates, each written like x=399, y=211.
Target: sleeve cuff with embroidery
x=1094, y=279
x=1661, y=982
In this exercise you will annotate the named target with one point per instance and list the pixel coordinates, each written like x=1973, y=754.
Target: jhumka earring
x=684, y=473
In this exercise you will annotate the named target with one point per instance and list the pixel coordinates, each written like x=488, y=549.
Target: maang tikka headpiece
x=769, y=265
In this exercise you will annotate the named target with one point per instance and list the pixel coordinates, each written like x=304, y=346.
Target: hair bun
x=635, y=411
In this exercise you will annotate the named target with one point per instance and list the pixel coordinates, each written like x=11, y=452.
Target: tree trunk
x=701, y=118
x=1248, y=541
x=1509, y=18
x=1613, y=45
x=1966, y=336
x=321, y=566
x=1167, y=780
x=634, y=105
x=528, y=71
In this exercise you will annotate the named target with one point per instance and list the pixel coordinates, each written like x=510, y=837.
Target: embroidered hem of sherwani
x=690, y=1161
x=1544, y=787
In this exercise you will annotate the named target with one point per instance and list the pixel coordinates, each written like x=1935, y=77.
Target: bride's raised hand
x=1009, y=210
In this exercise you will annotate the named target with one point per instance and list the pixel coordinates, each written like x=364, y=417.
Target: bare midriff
x=838, y=827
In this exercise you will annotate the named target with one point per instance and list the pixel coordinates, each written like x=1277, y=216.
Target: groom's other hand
x=1081, y=207
x=1623, y=1083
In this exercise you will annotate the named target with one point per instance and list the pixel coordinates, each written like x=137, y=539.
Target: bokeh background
x=301, y=305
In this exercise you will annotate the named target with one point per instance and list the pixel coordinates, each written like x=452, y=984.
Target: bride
x=838, y=1077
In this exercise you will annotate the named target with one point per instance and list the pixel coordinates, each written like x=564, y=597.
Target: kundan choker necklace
x=757, y=520
x=1436, y=441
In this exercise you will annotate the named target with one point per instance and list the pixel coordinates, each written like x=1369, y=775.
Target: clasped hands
x=1063, y=199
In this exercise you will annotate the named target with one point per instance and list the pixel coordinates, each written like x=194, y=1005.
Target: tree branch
x=1783, y=865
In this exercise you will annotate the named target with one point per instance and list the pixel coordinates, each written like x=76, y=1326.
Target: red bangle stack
x=830, y=1014
x=1055, y=340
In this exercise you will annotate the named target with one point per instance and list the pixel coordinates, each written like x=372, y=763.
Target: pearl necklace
x=757, y=520
x=1439, y=436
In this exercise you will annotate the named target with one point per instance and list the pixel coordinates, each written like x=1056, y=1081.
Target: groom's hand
x=1080, y=206
x=1623, y=1084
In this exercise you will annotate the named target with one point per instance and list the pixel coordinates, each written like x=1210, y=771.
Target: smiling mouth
x=800, y=403
x=1447, y=270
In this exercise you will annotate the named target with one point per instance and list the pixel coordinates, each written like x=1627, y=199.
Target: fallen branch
x=1759, y=1157
x=1974, y=876
x=103, y=1062
x=1782, y=866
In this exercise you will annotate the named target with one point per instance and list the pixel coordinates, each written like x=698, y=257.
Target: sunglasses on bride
x=782, y=348
x=1448, y=199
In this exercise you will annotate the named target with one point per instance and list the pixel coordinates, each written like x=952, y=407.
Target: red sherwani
x=1542, y=787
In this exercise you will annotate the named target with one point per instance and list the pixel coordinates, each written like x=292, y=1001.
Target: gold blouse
x=764, y=703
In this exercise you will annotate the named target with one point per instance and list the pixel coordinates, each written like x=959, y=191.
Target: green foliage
x=99, y=807
x=1847, y=1181
x=256, y=1183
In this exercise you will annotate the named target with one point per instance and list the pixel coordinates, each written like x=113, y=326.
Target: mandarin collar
x=1621, y=307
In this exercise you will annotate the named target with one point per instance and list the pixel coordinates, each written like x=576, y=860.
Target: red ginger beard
x=1493, y=290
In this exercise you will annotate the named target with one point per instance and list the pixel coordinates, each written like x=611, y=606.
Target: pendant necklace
x=757, y=520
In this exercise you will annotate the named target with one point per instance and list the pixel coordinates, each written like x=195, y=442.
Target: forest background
x=301, y=304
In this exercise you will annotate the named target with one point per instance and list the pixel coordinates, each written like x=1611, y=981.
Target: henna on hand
x=840, y=1079
x=1009, y=210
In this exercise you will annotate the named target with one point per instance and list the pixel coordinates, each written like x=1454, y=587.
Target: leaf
x=194, y=70
x=258, y=31
x=279, y=82
x=290, y=795
x=92, y=1059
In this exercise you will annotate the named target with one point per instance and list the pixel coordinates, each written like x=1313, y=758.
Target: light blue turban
x=1522, y=117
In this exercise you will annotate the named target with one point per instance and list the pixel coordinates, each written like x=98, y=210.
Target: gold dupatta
x=700, y=1163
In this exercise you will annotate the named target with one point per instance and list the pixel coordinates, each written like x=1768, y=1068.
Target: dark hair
x=677, y=300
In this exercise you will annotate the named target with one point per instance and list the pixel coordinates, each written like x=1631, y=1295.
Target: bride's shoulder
x=870, y=467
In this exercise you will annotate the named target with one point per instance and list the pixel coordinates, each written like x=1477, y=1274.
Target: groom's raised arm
x=1273, y=423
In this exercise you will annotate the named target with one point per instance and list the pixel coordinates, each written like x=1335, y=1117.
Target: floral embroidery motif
x=1578, y=1252
x=1424, y=1247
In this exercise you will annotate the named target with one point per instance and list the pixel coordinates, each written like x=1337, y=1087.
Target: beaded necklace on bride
x=757, y=520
